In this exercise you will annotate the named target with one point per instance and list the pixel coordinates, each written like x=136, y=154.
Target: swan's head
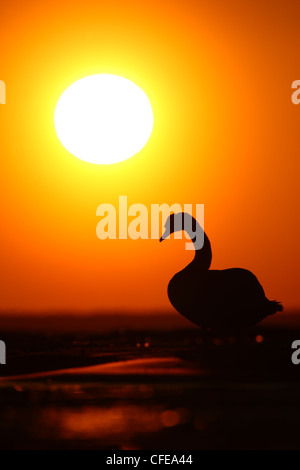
x=184, y=221
x=174, y=223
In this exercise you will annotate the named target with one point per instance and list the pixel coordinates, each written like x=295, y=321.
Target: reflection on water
x=107, y=415
x=158, y=366
x=159, y=415
x=129, y=420
x=89, y=392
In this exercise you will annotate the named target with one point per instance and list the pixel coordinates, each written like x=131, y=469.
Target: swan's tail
x=275, y=306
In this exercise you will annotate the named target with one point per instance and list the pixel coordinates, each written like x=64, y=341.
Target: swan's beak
x=164, y=235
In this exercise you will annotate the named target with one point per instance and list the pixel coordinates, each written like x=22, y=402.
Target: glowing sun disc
x=103, y=119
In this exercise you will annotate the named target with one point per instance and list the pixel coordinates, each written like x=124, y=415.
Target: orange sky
x=218, y=76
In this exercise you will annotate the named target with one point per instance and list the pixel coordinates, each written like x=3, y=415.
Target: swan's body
x=226, y=300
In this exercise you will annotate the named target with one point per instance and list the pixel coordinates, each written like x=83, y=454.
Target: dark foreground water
x=149, y=388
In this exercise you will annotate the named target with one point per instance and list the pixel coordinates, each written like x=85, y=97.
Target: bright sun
x=103, y=119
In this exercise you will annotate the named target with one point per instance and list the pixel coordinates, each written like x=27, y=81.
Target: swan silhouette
x=221, y=300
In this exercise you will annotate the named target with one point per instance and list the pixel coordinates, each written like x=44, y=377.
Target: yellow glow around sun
x=103, y=119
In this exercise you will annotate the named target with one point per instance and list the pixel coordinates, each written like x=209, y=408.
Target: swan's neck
x=203, y=256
